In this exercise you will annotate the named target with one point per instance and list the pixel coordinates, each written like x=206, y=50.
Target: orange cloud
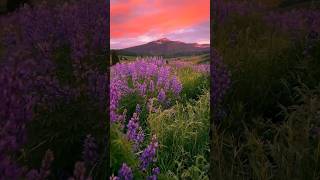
x=135, y=17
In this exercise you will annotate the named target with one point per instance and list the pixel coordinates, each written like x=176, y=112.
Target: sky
x=135, y=22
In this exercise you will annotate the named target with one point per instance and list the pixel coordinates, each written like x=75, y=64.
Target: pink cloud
x=133, y=18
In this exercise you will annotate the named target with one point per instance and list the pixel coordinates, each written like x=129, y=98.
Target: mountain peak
x=163, y=40
x=165, y=47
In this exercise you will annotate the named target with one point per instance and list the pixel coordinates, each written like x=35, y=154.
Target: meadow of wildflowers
x=53, y=79
x=266, y=124
x=54, y=89
x=140, y=92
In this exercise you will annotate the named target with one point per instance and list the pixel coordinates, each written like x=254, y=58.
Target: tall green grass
x=193, y=83
x=121, y=150
x=183, y=133
x=267, y=150
x=182, y=130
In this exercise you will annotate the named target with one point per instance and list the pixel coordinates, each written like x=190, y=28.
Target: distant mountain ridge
x=166, y=47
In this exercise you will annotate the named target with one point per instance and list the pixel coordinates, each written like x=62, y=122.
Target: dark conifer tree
x=114, y=57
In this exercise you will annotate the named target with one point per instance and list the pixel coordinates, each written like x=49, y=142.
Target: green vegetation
x=270, y=129
x=182, y=130
x=183, y=136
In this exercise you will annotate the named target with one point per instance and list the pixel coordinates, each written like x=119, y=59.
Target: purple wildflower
x=151, y=86
x=28, y=68
x=156, y=171
x=152, y=177
x=220, y=78
x=148, y=155
x=125, y=173
x=140, y=76
x=143, y=89
x=134, y=131
x=138, y=109
x=176, y=86
x=161, y=95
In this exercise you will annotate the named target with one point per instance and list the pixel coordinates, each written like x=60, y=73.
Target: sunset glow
x=135, y=22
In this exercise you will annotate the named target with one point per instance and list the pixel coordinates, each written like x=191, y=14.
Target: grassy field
x=181, y=125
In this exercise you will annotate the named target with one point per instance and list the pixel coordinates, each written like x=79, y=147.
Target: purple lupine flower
x=163, y=75
x=125, y=173
x=16, y=110
x=201, y=68
x=28, y=68
x=140, y=77
x=151, y=86
x=152, y=177
x=134, y=131
x=176, y=86
x=143, y=88
x=138, y=108
x=220, y=78
x=155, y=172
x=148, y=155
x=90, y=151
x=161, y=96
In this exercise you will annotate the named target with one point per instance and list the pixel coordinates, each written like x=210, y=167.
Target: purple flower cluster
x=16, y=109
x=161, y=96
x=38, y=34
x=220, y=79
x=149, y=77
x=152, y=79
x=201, y=68
x=148, y=155
x=155, y=172
x=125, y=173
x=134, y=131
x=31, y=40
